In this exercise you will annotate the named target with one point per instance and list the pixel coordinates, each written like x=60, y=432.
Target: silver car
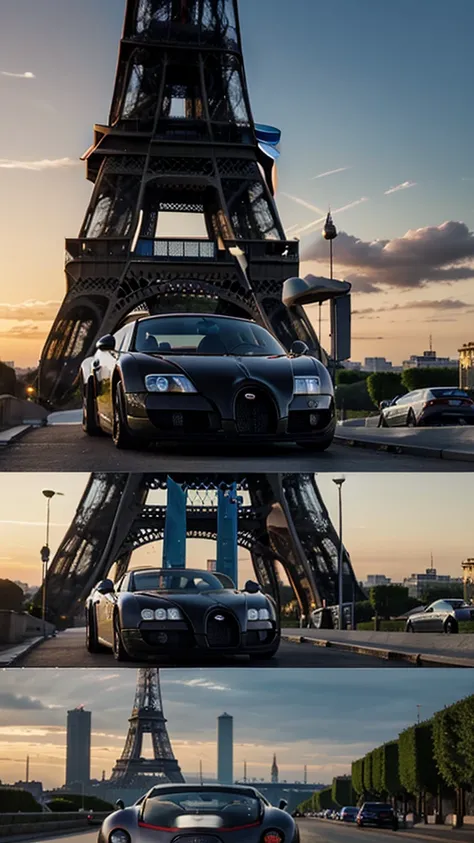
x=439, y=405
x=441, y=616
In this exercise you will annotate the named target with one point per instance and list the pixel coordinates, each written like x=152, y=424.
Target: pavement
x=63, y=446
x=87, y=836
x=454, y=443
x=68, y=649
x=331, y=831
x=421, y=649
x=10, y=654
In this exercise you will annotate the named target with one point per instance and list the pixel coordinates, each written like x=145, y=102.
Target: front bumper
x=174, y=417
x=176, y=638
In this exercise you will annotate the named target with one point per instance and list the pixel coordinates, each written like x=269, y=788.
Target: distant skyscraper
x=78, y=752
x=225, y=749
x=274, y=770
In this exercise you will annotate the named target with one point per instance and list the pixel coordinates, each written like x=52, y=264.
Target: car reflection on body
x=180, y=612
x=379, y=814
x=440, y=616
x=240, y=813
x=428, y=407
x=205, y=378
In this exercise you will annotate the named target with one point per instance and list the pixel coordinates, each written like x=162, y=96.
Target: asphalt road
x=64, y=447
x=324, y=831
x=68, y=650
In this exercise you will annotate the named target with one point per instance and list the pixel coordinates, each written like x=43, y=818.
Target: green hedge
x=417, y=766
x=358, y=776
x=342, y=791
x=75, y=802
x=15, y=799
x=385, y=626
x=453, y=734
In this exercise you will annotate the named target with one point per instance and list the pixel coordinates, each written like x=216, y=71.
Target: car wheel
x=121, y=436
x=451, y=626
x=320, y=446
x=90, y=424
x=120, y=653
x=411, y=420
x=92, y=641
x=410, y=627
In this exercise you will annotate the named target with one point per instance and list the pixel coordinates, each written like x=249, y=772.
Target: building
x=466, y=366
x=417, y=583
x=212, y=565
x=275, y=770
x=78, y=748
x=376, y=579
x=429, y=360
x=353, y=365
x=377, y=364
x=468, y=579
x=225, y=749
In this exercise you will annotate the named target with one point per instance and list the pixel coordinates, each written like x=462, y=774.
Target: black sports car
x=193, y=377
x=204, y=813
x=180, y=612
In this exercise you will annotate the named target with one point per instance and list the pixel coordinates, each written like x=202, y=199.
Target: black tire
x=317, y=447
x=451, y=627
x=410, y=627
x=411, y=420
x=120, y=653
x=92, y=641
x=90, y=424
x=121, y=435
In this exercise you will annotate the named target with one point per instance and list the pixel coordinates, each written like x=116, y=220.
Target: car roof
x=170, y=570
x=201, y=315
x=233, y=788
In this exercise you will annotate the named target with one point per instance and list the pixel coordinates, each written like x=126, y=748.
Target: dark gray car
x=441, y=616
x=428, y=407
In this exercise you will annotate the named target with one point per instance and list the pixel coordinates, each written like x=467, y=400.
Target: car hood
x=231, y=372
x=205, y=599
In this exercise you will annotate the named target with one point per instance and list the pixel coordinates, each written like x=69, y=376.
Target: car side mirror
x=106, y=587
x=252, y=587
x=299, y=348
x=106, y=343
x=384, y=404
x=120, y=804
x=282, y=804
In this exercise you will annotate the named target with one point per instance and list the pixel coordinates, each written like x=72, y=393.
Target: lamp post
x=339, y=481
x=45, y=554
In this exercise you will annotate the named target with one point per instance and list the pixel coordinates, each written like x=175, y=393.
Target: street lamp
x=45, y=554
x=339, y=481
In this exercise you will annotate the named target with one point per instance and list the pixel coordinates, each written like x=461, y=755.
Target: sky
x=322, y=718
x=391, y=525
x=371, y=99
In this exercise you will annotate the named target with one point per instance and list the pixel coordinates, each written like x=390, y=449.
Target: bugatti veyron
x=155, y=612
x=188, y=377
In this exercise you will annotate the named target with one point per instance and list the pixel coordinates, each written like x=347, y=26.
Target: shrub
x=424, y=378
x=73, y=802
x=353, y=396
x=13, y=800
x=11, y=596
x=384, y=386
x=350, y=376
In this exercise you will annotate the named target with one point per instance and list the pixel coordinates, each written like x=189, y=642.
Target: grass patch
x=385, y=626
x=466, y=626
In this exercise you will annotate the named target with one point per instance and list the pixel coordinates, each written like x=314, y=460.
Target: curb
x=7, y=437
x=418, y=659
x=9, y=657
x=412, y=450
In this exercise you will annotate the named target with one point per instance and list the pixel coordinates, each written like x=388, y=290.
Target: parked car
x=441, y=616
x=425, y=407
x=379, y=814
x=348, y=814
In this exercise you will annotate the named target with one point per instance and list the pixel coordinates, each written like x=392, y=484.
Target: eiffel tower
x=283, y=520
x=180, y=139
x=132, y=770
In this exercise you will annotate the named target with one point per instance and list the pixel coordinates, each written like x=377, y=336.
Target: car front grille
x=254, y=414
x=189, y=421
x=308, y=421
x=222, y=630
x=168, y=639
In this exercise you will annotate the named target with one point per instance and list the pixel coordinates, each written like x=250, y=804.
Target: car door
x=427, y=620
x=392, y=412
x=399, y=411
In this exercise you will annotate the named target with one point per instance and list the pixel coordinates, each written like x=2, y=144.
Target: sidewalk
x=449, y=443
x=9, y=654
x=434, y=649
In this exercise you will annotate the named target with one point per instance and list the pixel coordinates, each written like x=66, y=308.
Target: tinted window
x=205, y=335
x=450, y=604
x=448, y=393
x=377, y=806
x=170, y=580
x=226, y=808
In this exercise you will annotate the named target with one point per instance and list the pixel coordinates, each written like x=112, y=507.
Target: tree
x=326, y=802
x=368, y=766
x=418, y=771
x=73, y=802
x=354, y=396
x=436, y=592
x=13, y=800
x=389, y=600
x=350, y=376
x=11, y=596
x=364, y=611
x=390, y=774
x=377, y=780
x=342, y=790
x=358, y=776
x=424, y=378
x=384, y=386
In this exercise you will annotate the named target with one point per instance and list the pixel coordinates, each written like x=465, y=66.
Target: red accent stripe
x=198, y=831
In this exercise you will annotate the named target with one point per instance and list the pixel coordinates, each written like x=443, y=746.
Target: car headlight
x=252, y=615
x=307, y=386
x=263, y=615
x=174, y=615
x=168, y=383
x=119, y=835
x=147, y=614
x=160, y=614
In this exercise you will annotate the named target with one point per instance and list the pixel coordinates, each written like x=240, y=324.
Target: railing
x=267, y=249
x=100, y=248
x=176, y=249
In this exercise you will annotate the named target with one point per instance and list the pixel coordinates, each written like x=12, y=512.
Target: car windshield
x=176, y=580
x=442, y=392
x=350, y=810
x=205, y=335
x=455, y=604
x=225, y=808
x=377, y=806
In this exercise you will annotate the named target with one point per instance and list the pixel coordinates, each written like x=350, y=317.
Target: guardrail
x=34, y=823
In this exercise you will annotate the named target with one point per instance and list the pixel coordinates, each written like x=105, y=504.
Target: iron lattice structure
x=282, y=521
x=132, y=769
x=180, y=138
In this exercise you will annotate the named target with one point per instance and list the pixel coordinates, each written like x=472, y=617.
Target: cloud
x=27, y=330
x=403, y=186
x=27, y=75
x=38, y=309
x=306, y=229
x=330, y=173
x=443, y=253
x=304, y=203
x=440, y=304
x=38, y=166
x=9, y=700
